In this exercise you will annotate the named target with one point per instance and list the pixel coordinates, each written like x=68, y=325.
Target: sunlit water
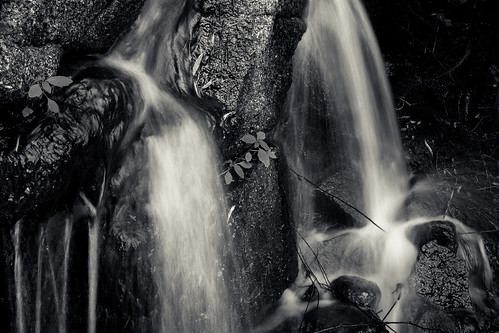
x=342, y=129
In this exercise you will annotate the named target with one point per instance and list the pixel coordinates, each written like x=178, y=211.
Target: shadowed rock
x=341, y=318
x=356, y=290
x=443, y=232
x=64, y=148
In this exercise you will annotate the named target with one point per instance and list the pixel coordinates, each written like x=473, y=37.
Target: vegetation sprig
x=258, y=150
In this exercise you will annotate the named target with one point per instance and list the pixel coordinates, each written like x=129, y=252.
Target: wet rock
x=441, y=277
x=342, y=252
x=443, y=232
x=63, y=149
x=241, y=69
x=421, y=315
x=263, y=242
x=356, y=290
x=341, y=318
x=34, y=33
x=246, y=67
x=83, y=25
x=465, y=321
x=20, y=65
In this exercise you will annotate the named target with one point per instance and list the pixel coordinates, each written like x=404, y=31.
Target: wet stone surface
x=34, y=34
x=339, y=317
x=356, y=290
x=441, y=277
x=443, y=232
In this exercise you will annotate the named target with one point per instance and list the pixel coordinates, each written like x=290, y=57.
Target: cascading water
x=342, y=133
x=185, y=197
x=41, y=285
x=183, y=205
x=186, y=205
x=339, y=66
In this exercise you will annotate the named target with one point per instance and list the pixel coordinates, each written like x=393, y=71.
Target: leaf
x=248, y=157
x=264, y=144
x=239, y=171
x=256, y=145
x=59, y=81
x=228, y=178
x=197, y=63
x=35, y=91
x=52, y=105
x=46, y=86
x=207, y=84
x=248, y=138
x=231, y=210
x=37, y=79
x=263, y=156
x=272, y=154
x=244, y=164
x=260, y=135
x=27, y=111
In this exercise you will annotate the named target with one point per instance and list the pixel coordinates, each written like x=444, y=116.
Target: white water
x=186, y=201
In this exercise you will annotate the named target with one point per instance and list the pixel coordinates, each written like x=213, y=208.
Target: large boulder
x=247, y=48
x=34, y=34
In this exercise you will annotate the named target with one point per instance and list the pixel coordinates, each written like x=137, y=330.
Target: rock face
x=247, y=47
x=35, y=33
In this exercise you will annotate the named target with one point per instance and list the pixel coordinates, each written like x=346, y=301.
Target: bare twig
x=300, y=177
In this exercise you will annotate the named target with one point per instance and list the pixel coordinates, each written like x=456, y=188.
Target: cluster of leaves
x=43, y=89
x=258, y=150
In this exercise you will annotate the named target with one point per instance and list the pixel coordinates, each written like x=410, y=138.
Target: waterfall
x=185, y=199
x=340, y=89
x=341, y=134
